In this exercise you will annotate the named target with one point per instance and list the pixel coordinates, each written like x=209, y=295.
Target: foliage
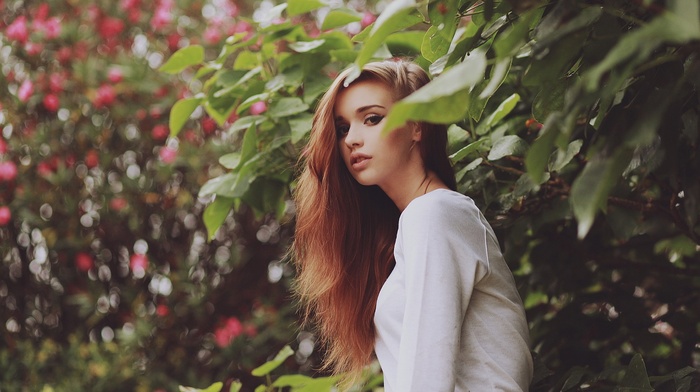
x=101, y=236
x=574, y=126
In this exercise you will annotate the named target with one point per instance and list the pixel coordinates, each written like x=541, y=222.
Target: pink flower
x=8, y=171
x=367, y=19
x=105, y=96
x=162, y=310
x=208, y=125
x=92, y=159
x=129, y=4
x=230, y=329
x=160, y=132
x=115, y=75
x=211, y=35
x=26, y=89
x=51, y=28
x=138, y=263
x=111, y=27
x=33, y=48
x=3, y=146
x=51, y=102
x=168, y=155
x=5, y=215
x=161, y=18
x=118, y=203
x=83, y=261
x=231, y=9
x=56, y=81
x=258, y=108
x=17, y=30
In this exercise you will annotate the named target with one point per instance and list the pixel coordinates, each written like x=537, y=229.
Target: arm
x=445, y=255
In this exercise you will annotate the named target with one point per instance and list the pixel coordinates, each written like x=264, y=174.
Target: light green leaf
x=445, y=99
x=287, y=106
x=183, y=58
x=246, y=122
x=503, y=109
x=434, y=45
x=465, y=151
x=249, y=147
x=231, y=160
x=298, y=7
x=292, y=380
x=498, y=75
x=338, y=18
x=181, y=112
x=220, y=185
x=398, y=15
x=506, y=146
x=560, y=158
x=301, y=126
x=235, y=386
x=271, y=365
x=589, y=192
x=306, y=46
x=215, y=214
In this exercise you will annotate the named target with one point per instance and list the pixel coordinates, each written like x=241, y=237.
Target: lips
x=359, y=160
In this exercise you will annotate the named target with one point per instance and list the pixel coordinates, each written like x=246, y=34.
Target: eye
x=373, y=119
x=341, y=129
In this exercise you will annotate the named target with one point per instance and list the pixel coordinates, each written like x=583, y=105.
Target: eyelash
x=373, y=119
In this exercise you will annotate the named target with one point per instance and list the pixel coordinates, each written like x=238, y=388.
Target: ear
x=416, y=132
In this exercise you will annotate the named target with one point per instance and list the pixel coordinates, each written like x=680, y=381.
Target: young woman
x=391, y=260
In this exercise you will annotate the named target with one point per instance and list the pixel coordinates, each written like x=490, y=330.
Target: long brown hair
x=345, y=232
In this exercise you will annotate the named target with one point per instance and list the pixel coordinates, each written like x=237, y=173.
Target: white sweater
x=449, y=317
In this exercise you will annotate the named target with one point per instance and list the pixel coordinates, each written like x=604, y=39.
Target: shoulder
x=441, y=207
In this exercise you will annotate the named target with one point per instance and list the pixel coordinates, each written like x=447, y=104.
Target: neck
x=405, y=191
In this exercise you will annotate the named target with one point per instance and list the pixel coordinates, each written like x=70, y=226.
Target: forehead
x=361, y=94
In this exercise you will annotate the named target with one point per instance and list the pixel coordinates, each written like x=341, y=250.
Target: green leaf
x=298, y=7
x=503, y=110
x=338, y=18
x=249, y=147
x=560, y=158
x=538, y=155
x=434, y=45
x=215, y=214
x=181, y=112
x=231, y=160
x=465, y=151
x=287, y=106
x=301, y=126
x=498, y=75
x=306, y=46
x=509, y=42
x=636, y=378
x=291, y=380
x=183, y=58
x=235, y=386
x=220, y=185
x=551, y=98
x=405, y=43
x=398, y=15
x=506, y=146
x=271, y=365
x=246, y=122
x=444, y=100
x=589, y=192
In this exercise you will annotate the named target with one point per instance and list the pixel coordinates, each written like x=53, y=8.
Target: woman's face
x=372, y=157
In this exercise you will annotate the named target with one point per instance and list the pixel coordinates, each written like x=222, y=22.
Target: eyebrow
x=361, y=109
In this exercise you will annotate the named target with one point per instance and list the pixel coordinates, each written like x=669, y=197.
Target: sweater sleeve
x=445, y=255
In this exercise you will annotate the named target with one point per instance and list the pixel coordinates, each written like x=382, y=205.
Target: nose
x=353, y=138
